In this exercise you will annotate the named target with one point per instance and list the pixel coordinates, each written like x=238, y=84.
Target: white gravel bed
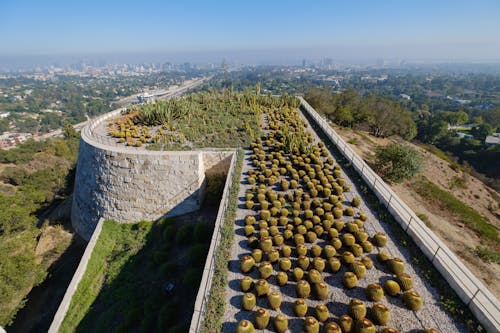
x=431, y=315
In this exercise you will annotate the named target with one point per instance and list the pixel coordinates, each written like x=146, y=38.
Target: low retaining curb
x=75, y=281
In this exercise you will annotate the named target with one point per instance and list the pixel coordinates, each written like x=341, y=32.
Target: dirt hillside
x=449, y=228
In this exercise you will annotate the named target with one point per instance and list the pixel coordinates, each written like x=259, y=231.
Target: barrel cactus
x=346, y=323
x=245, y=326
x=365, y=326
x=303, y=289
x=357, y=309
x=412, y=300
x=349, y=280
x=359, y=269
x=396, y=265
x=334, y=264
x=300, y=307
x=380, y=313
x=392, y=287
x=311, y=325
x=321, y=313
x=280, y=323
x=379, y=239
x=321, y=290
x=265, y=269
x=248, y=301
x=405, y=281
x=262, y=318
x=274, y=300
x=246, y=283
x=261, y=287
x=374, y=292
x=332, y=327
x=246, y=263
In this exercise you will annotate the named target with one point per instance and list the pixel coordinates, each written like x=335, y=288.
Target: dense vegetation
x=125, y=285
x=35, y=176
x=381, y=116
x=205, y=119
x=398, y=162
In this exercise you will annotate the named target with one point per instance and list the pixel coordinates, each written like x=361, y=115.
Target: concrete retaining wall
x=483, y=304
x=129, y=184
x=75, y=281
x=200, y=304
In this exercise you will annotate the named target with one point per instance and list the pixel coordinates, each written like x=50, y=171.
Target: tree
x=398, y=162
x=481, y=132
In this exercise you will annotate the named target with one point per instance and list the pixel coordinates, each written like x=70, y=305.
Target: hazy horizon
x=257, y=32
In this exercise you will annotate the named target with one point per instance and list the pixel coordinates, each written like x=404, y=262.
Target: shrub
x=398, y=162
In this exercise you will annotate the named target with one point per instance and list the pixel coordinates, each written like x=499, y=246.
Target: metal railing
x=483, y=304
x=200, y=306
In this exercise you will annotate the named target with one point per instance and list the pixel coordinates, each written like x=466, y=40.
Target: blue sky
x=468, y=30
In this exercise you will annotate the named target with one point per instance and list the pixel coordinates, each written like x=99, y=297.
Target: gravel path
x=404, y=320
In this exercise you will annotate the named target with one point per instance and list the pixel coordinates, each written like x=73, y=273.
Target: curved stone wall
x=127, y=185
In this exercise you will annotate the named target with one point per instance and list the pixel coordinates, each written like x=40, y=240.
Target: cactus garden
x=308, y=254
x=205, y=119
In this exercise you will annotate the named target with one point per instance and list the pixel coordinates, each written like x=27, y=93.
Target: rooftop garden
x=205, y=119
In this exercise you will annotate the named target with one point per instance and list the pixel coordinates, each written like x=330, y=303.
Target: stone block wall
x=129, y=185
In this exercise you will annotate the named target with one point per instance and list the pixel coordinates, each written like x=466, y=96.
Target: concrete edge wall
x=209, y=268
x=483, y=304
x=75, y=281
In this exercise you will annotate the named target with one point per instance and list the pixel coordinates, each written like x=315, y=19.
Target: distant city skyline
x=250, y=31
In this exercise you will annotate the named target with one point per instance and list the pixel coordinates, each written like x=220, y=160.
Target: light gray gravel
x=404, y=320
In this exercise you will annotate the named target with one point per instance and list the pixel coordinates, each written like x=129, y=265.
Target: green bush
x=398, y=162
x=184, y=234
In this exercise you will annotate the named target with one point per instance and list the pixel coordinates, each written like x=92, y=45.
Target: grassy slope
x=116, y=244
